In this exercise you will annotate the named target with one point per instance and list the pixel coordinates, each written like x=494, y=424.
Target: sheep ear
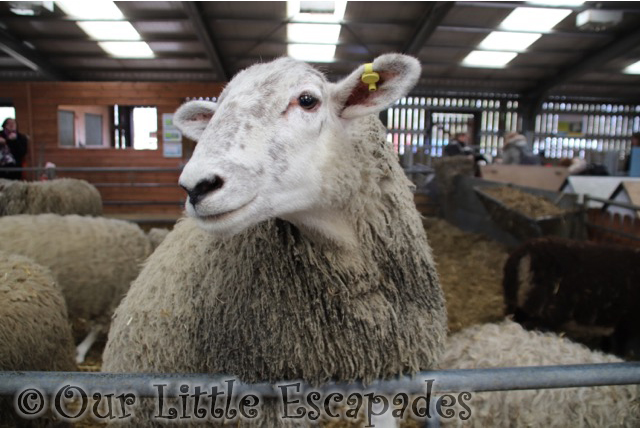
x=398, y=75
x=192, y=118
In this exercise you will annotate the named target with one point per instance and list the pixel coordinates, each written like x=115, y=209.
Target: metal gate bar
x=459, y=380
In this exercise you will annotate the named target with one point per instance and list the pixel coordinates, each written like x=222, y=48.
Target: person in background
x=458, y=145
x=516, y=151
x=635, y=142
x=575, y=166
x=13, y=149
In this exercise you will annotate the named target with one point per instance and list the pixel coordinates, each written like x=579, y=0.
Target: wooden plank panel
x=36, y=106
x=539, y=177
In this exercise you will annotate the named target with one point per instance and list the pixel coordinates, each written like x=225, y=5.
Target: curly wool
x=156, y=235
x=93, y=259
x=35, y=334
x=507, y=344
x=34, y=330
x=271, y=303
x=59, y=196
x=559, y=285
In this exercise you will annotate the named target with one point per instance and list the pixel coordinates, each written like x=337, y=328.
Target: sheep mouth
x=226, y=214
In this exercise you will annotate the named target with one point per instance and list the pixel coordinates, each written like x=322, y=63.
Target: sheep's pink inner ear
x=361, y=93
x=200, y=117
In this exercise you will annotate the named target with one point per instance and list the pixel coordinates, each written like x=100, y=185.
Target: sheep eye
x=307, y=101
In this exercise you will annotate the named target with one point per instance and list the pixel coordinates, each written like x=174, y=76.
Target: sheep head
x=266, y=147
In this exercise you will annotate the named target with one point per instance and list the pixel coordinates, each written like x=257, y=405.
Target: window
x=93, y=129
x=145, y=128
x=7, y=112
x=66, y=128
x=115, y=126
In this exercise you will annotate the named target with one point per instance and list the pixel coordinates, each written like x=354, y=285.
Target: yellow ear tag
x=370, y=77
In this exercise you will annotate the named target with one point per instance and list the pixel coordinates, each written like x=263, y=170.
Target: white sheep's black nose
x=203, y=188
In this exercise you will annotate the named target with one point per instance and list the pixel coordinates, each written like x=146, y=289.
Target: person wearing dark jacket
x=458, y=146
x=13, y=149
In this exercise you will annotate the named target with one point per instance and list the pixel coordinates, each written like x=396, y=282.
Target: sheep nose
x=203, y=188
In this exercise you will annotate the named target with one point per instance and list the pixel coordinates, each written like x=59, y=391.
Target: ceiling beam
x=17, y=20
x=352, y=62
x=513, y=5
x=380, y=45
x=486, y=30
x=195, y=14
x=631, y=7
x=429, y=22
x=616, y=48
x=28, y=57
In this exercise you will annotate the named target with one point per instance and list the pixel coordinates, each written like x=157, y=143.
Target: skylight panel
x=88, y=10
x=313, y=33
x=312, y=53
x=534, y=19
x=109, y=30
x=558, y=3
x=102, y=21
x=314, y=29
x=508, y=41
x=633, y=68
x=127, y=49
x=488, y=59
x=312, y=11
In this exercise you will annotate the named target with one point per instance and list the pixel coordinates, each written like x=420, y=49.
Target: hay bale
x=470, y=269
x=528, y=204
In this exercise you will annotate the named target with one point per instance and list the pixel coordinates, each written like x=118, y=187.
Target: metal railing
x=433, y=384
x=52, y=172
x=444, y=381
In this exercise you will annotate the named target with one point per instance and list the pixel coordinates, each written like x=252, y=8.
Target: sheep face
x=266, y=148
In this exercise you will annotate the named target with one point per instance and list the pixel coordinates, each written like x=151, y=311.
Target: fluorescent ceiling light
x=127, y=49
x=633, y=68
x=93, y=9
x=294, y=7
x=488, y=59
x=508, y=41
x=109, y=30
x=313, y=53
x=533, y=19
x=313, y=33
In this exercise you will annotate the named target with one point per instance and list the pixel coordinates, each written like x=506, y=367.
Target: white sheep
x=304, y=257
x=507, y=344
x=59, y=196
x=93, y=259
x=156, y=235
x=35, y=334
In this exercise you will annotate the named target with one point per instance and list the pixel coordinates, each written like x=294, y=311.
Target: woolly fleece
x=93, y=259
x=507, y=344
x=272, y=303
x=584, y=289
x=59, y=196
x=35, y=334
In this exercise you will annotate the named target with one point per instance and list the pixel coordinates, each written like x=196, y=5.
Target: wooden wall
x=36, y=105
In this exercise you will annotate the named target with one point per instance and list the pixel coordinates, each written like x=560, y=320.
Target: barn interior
x=94, y=86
